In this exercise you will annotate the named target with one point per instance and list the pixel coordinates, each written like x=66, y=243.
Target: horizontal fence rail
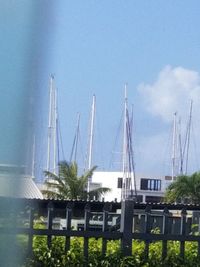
x=126, y=221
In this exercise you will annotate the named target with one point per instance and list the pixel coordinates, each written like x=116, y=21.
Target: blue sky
x=95, y=47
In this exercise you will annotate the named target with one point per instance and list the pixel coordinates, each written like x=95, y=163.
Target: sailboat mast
x=54, y=130
x=188, y=137
x=174, y=143
x=91, y=137
x=125, y=143
x=124, y=161
x=77, y=136
x=180, y=148
x=49, y=123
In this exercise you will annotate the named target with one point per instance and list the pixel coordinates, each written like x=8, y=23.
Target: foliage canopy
x=185, y=187
x=69, y=185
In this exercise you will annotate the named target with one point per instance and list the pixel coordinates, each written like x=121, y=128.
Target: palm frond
x=67, y=184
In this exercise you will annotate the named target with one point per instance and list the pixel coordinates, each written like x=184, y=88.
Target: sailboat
x=122, y=183
x=180, y=150
x=129, y=182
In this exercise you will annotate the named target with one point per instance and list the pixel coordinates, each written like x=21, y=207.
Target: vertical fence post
x=126, y=227
x=183, y=232
x=196, y=221
x=49, y=223
x=165, y=231
x=106, y=209
x=86, y=228
x=30, y=237
x=68, y=224
x=147, y=229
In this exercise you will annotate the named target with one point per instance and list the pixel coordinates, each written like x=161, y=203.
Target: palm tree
x=68, y=185
x=184, y=188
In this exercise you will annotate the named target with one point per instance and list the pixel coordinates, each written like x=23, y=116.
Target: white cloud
x=153, y=154
x=172, y=91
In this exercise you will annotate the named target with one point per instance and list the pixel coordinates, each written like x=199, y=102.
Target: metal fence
x=124, y=221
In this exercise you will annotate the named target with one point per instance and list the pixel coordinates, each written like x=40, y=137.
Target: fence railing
x=124, y=221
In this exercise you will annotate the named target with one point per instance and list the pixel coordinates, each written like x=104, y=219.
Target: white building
x=149, y=188
x=14, y=183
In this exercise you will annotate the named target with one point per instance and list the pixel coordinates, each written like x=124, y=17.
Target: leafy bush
x=57, y=257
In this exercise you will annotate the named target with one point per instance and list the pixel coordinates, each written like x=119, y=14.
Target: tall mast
x=125, y=145
x=131, y=168
x=188, y=137
x=49, y=123
x=180, y=148
x=55, y=130
x=77, y=136
x=174, y=145
x=129, y=182
x=52, y=128
x=91, y=138
x=124, y=161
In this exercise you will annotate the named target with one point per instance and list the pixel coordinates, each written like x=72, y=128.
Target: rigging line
x=128, y=163
x=60, y=135
x=116, y=139
x=185, y=141
x=99, y=141
x=188, y=143
x=81, y=147
x=56, y=130
x=77, y=136
x=133, y=164
x=194, y=144
x=132, y=159
x=131, y=120
x=187, y=133
x=41, y=146
x=180, y=148
x=75, y=141
x=86, y=157
x=72, y=151
x=129, y=156
x=166, y=151
x=58, y=144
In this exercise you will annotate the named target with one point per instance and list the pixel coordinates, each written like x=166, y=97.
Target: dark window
x=153, y=199
x=119, y=182
x=150, y=184
x=144, y=184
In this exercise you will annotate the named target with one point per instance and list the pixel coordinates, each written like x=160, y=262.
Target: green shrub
x=57, y=257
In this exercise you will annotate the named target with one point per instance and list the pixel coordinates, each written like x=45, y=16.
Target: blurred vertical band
x=25, y=31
